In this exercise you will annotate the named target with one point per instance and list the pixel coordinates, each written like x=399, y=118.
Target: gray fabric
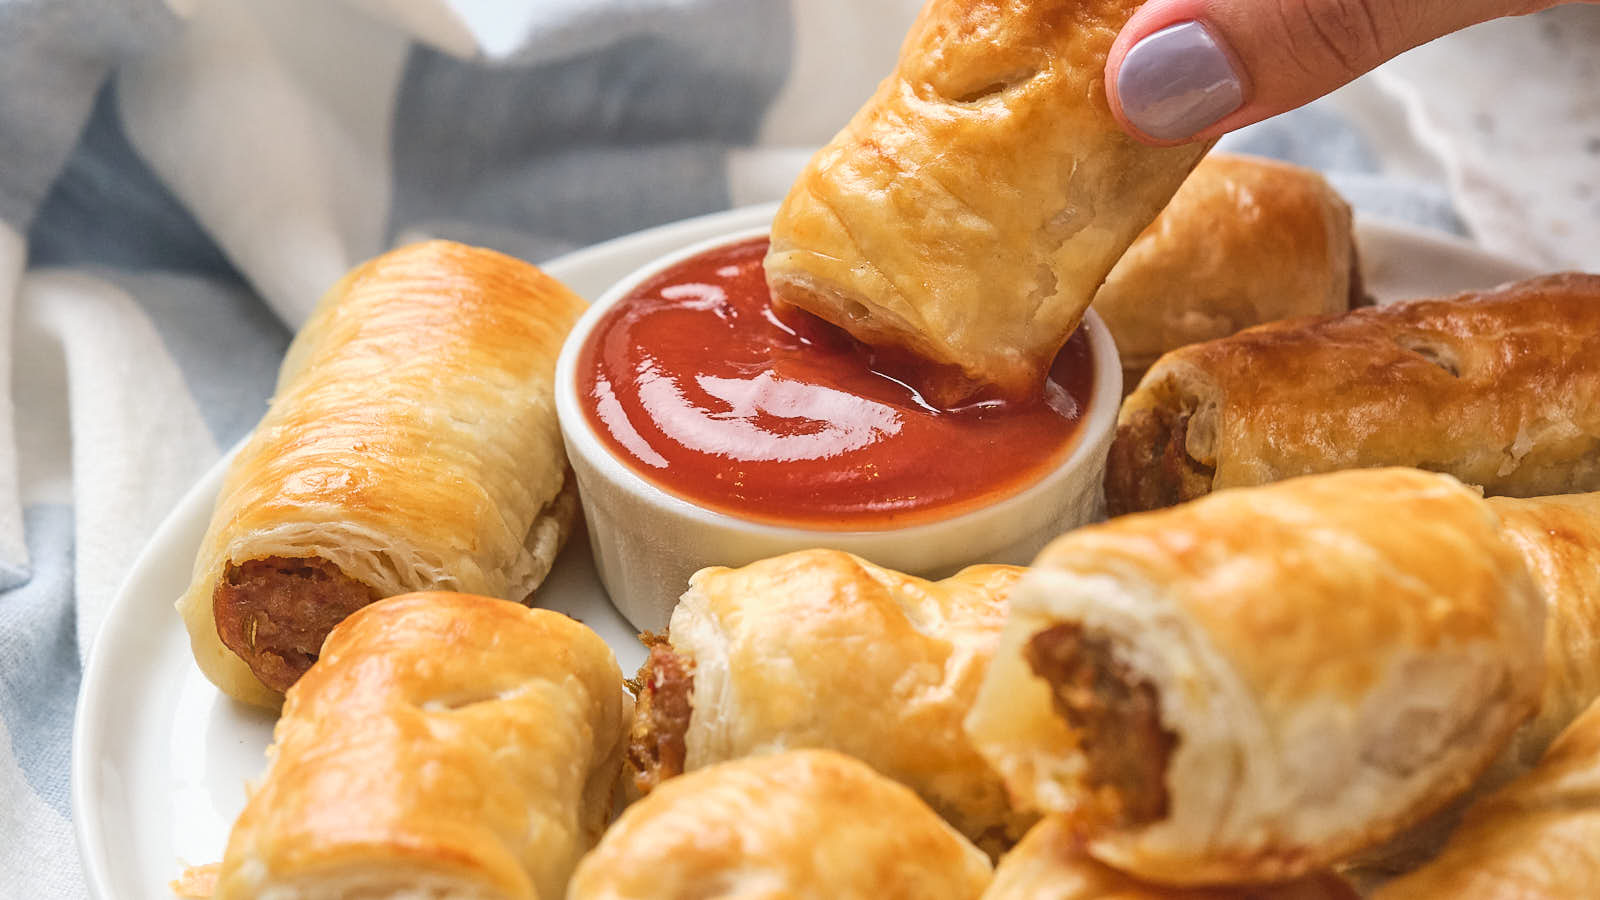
x=537, y=159
x=1318, y=137
x=39, y=658
x=213, y=326
x=59, y=52
x=107, y=208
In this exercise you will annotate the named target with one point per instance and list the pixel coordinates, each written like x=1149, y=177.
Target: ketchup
x=696, y=384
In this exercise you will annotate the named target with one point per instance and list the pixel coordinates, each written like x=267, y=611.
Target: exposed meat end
x=656, y=743
x=276, y=611
x=1118, y=718
x=1149, y=466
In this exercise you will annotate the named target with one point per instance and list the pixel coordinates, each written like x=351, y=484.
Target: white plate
x=160, y=758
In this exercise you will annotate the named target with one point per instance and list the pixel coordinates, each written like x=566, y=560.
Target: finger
x=1195, y=69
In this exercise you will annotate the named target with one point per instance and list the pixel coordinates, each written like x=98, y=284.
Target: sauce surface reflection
x=697, y=384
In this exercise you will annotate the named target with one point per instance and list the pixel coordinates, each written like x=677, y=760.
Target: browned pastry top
x=441, y=739
x=1500, y=388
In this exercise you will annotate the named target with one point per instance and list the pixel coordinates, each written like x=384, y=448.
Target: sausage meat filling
x=1149, y=466
x=1118, y=717
x=275, y=612
x=656, y=743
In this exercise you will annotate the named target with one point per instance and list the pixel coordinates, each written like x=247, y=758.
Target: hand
x=1195, y=69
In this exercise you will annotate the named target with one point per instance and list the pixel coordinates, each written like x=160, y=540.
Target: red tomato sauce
x=695, y=383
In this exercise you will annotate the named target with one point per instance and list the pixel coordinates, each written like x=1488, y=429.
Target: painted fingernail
x=1178, y=81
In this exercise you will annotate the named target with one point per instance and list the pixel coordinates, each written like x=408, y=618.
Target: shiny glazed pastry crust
x=801, y=825
x=1244, y=241
x=1499, y=388
x=445, y=745
x=1559, y=539
x=1331, y=659
x=412, y=442
x=1050, y=864
x=1538, y=838
x=970, y=210
x=821, y=649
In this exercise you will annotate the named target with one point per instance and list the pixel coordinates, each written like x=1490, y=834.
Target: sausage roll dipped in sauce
x=970, y=210
x=444, y=745
x=801, y=825
x=821, y=649
x=1499, y=388
x=411, y=445
x=1050, y=864
x=1254, y=685
x=1537, y=838
x=1243, y=242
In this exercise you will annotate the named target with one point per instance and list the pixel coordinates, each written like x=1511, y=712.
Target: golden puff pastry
x=1499, y=388
x=1559, y=539
x=801, y=825
x=1050, y=864
x=1244, y=241
x=411, y=445
x=1537, y=838
x=446, y=746
x=822, y=649
x=970, y=210
x=1253, y=685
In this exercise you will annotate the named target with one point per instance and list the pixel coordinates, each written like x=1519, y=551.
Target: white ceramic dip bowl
x=647, y=541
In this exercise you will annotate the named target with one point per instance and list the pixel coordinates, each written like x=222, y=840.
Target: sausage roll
x=1559, y=538
x=1251, y=686
x=970, y=210
x=801, y=825
x=1050, y=864
x=1499, y=388
x=445, y=745
x=1538, y=838
x=411, y=445
x=823, y=649
x=1244, y=241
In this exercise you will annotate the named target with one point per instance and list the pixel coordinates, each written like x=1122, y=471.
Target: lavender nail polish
x=1178, y=81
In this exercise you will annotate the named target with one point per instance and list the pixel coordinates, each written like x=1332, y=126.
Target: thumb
x=1196, y=69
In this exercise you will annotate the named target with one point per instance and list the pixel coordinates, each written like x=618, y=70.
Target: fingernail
x=1177, y=82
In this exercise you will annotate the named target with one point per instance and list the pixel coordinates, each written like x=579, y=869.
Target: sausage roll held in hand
x=411, y=445
x=801, y=825
x=822, y=649
x=1244, y=241
x=1254, y=685
x=1499, y=388
x=445, y=745
x=970, y=210
x=1538, y=838
x=1050, y=864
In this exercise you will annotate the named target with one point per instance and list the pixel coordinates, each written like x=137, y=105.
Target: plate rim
x=86, y=783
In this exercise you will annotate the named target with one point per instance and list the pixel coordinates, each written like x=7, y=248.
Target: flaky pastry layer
x=1499, y=388
x=805, y=824
x=822, y=649
x=445, y=745
x=412, y=444
x=1333, y=658
x=970, y=210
